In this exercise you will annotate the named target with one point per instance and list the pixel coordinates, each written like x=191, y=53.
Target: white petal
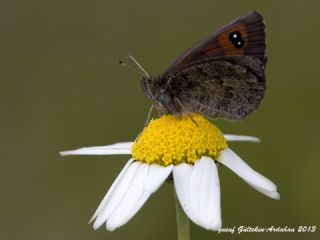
x=113, y=149
x=156, y=177
x=205, y=194
x=181, y=178
x=231, y=137
x=271, y=194
x=231, y=160
x=198, y=191
x=147, y=180
x=122, y=213
x=122, y=145
x=107, y=196
x=117, y=194
x=132, y=188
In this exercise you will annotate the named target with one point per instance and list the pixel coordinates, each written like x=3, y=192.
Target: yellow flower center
x=174, y=140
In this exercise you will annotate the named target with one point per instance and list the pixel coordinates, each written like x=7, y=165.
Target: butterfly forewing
x=243, y=36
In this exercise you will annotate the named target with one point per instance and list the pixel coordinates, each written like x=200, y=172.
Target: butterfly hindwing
x=229, y=87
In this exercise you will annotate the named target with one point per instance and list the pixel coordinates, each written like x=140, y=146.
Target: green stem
x=183, y=225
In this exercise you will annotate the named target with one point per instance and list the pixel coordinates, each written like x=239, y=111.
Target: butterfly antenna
x=131, y=68
x=139, y=65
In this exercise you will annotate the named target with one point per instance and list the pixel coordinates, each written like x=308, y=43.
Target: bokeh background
x=61, y=88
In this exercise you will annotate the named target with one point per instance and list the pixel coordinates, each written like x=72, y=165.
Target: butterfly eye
x=236, y=39
x=148, y=87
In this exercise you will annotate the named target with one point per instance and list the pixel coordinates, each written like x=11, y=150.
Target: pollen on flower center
x=174, y=140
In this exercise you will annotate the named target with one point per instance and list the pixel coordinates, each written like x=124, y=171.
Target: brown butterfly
x=222, y=76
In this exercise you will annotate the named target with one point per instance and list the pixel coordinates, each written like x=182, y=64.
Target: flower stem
x=183, y=225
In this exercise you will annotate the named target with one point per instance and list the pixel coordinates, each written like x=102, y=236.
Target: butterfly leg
x=147, y=121
x=185, y=111
x=149, y=115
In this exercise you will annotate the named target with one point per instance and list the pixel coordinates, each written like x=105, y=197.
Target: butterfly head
x=158, y=89
x=149, y=87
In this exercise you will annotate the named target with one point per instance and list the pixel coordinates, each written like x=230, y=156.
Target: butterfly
x=222, y=76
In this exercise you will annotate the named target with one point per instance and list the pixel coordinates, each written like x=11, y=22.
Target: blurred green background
x=61, y=88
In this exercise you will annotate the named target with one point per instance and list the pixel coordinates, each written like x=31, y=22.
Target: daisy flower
x=177, y=147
